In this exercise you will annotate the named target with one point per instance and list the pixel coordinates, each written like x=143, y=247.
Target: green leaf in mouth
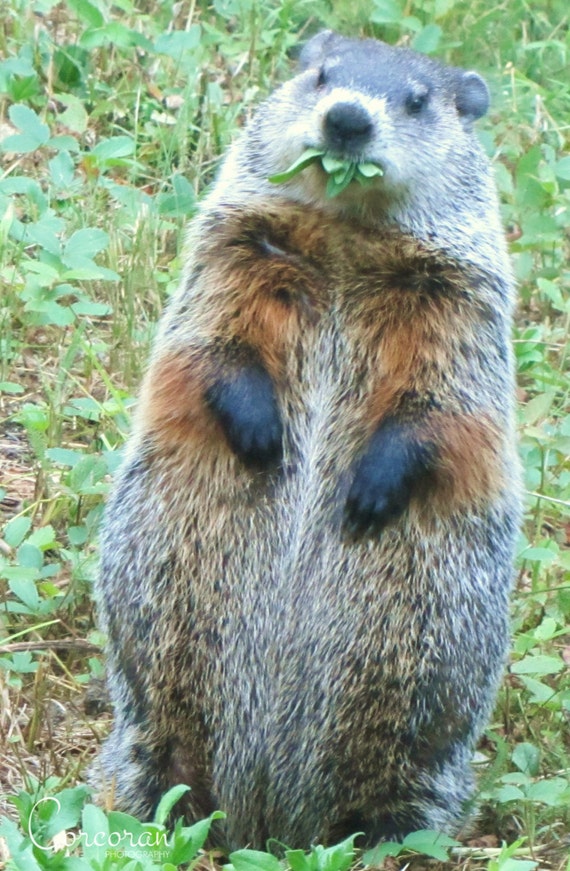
x=341, y=172
x=309, y=155
x=369, y=170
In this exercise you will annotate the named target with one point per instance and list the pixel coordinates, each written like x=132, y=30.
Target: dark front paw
x=394, y=463
x=245, y=404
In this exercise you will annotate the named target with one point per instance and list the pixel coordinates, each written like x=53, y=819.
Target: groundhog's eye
x=321, y=78
x=416, y=102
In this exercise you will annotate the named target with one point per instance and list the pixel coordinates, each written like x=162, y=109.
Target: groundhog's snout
x=347, y=126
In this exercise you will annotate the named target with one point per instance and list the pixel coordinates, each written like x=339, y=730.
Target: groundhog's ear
x=472, y=96
x=316, y=49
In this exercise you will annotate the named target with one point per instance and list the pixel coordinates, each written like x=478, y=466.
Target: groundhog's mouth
x=340, y=172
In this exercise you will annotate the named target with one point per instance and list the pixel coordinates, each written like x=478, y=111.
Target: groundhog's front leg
x=395, y=461
x=244, y=402
x=453, y=459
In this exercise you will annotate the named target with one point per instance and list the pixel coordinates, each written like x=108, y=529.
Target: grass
x=112, y=120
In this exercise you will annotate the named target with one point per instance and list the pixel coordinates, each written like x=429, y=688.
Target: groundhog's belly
x=349, y=655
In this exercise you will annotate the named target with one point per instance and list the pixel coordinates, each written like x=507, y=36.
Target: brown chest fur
x=382, y=320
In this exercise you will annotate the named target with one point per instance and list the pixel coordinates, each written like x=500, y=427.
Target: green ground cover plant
x=113, y=116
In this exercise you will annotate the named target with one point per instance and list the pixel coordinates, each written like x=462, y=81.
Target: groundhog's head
x=365, y=102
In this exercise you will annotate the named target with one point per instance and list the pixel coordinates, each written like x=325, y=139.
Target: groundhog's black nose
x=347, y=125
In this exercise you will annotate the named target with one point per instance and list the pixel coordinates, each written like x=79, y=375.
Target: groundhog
x=307, y=558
